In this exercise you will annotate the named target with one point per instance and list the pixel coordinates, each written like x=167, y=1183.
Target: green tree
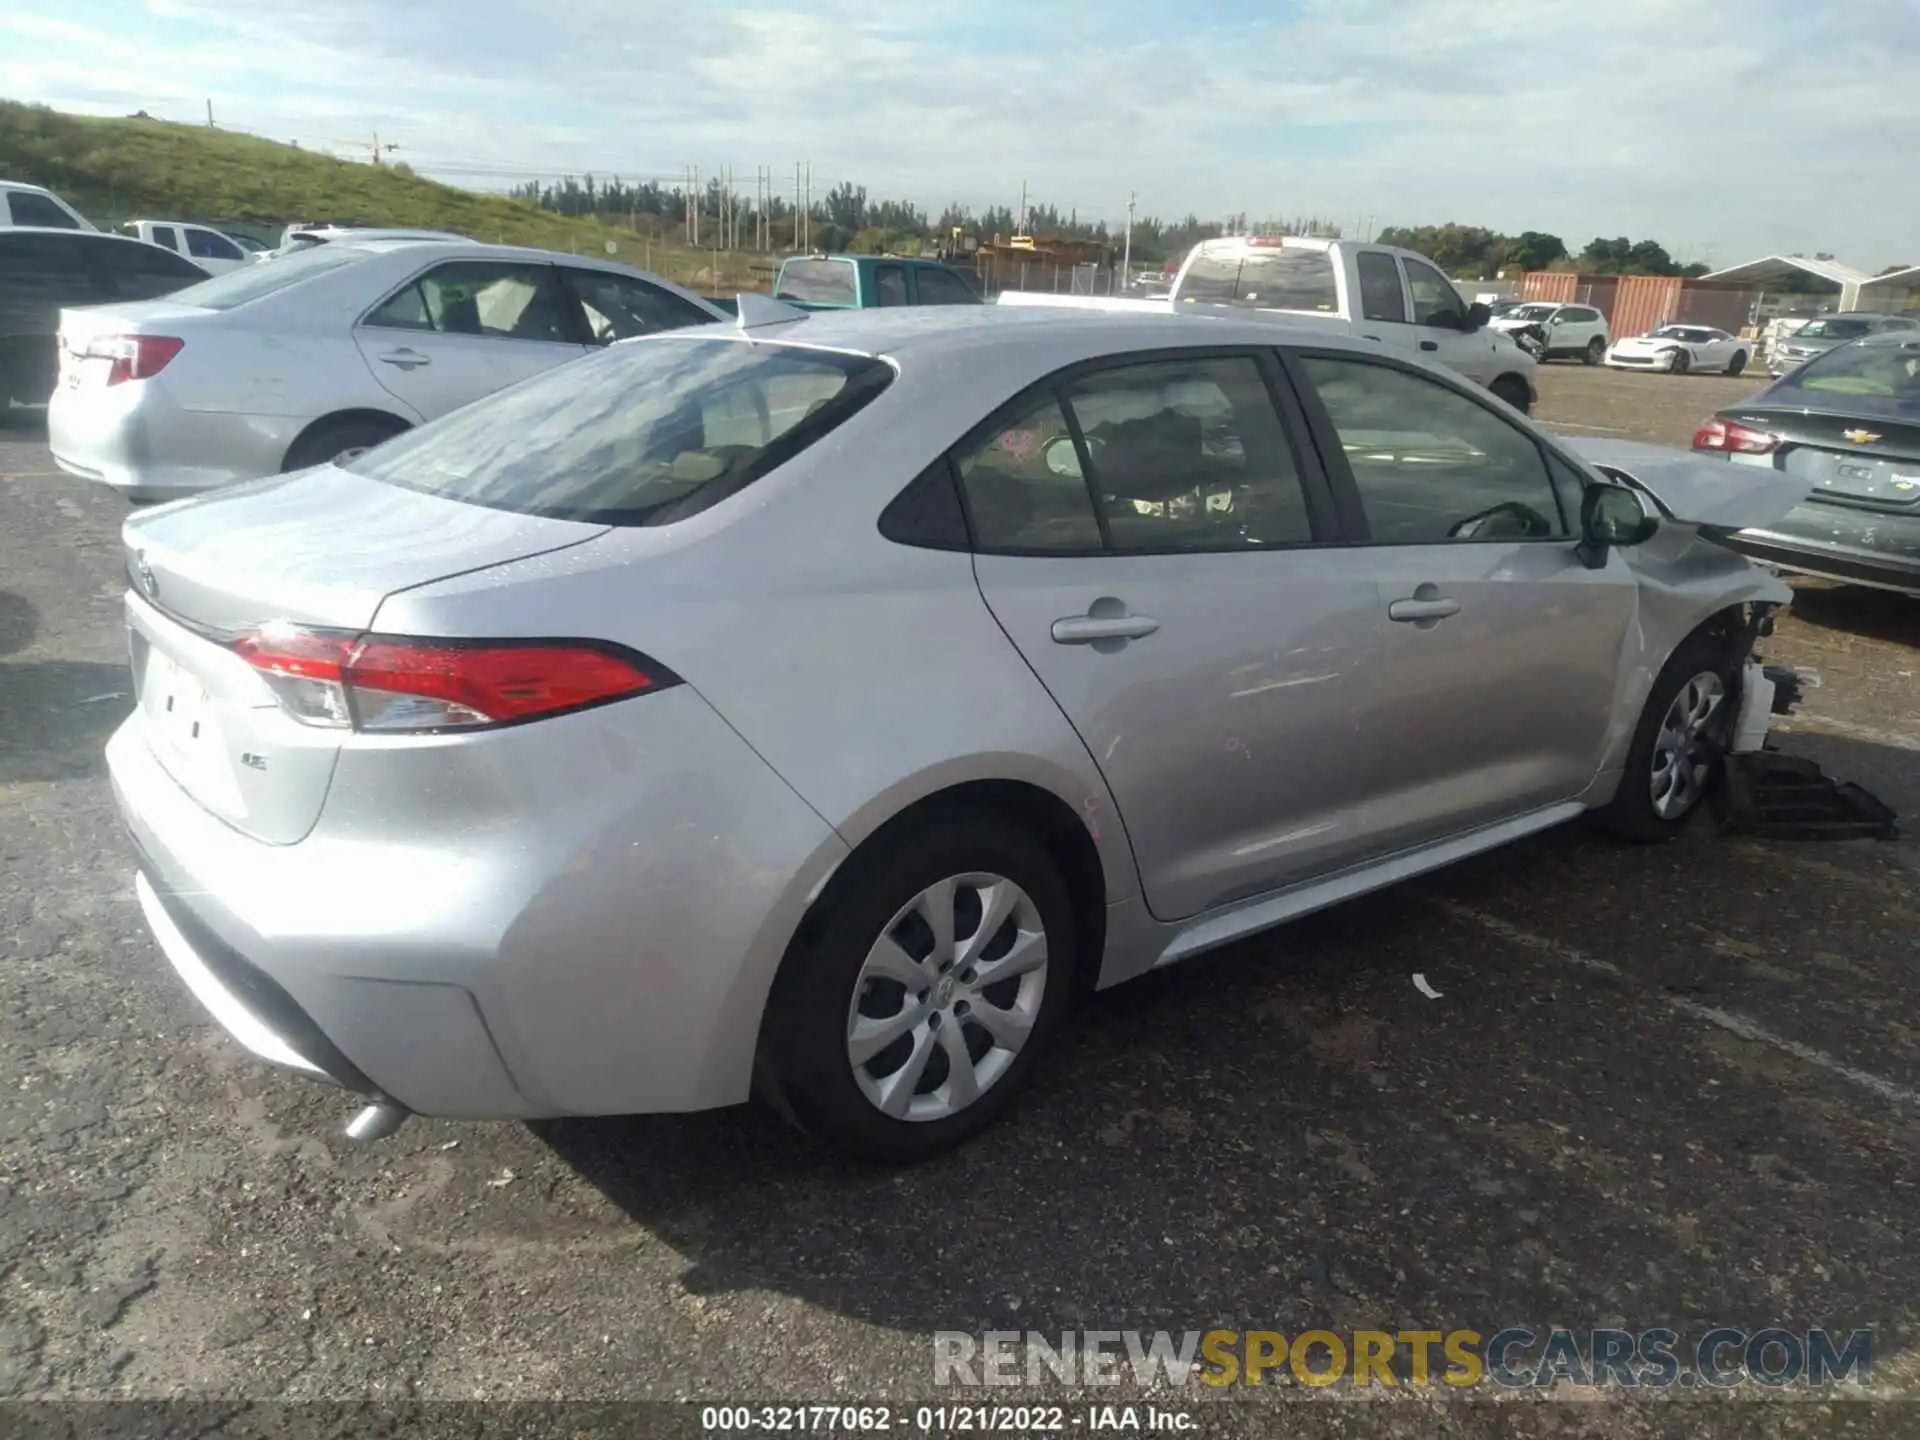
x=1533, y=250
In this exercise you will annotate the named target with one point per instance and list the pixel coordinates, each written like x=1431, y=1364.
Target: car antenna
x=760, y=312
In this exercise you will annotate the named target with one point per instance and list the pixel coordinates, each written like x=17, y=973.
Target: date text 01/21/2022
x=941, y=1419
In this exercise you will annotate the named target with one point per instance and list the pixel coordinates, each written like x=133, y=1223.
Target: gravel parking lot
x=1673, y=1087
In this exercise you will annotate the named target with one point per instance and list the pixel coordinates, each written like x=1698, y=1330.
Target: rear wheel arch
x=1513, y=388
x=309, y=442
x=1031, y=808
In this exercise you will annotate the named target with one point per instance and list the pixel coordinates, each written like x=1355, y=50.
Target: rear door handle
x=1423, y=609
x=1429, y=344
x=405, y=359
x=1085, y=629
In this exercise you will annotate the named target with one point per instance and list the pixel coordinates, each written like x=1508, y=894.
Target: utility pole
x=1126, y=253
x=809, y=219
x=209, y=112
x=378, y=148
x=1020, y=225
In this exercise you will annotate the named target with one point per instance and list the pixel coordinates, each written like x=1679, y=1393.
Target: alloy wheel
x=947, y=997
x=1683, y=750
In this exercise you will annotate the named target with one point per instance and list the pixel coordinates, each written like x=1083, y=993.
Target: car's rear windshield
x=1863, y=379
x=643, y=433
x=252, y=282
x=1291, y=278
x=819, y=282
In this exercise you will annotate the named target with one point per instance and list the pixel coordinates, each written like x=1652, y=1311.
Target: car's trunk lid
x=1697, y=489
x=320, y=549
x=81, y=325
x=1867, y=462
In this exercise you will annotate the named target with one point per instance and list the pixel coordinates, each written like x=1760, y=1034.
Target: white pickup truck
x=1375, y=292
x=206, y=247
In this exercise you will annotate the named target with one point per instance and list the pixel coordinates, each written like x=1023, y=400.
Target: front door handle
x=1427, y=609
x=405, y=359
x=1429, y=344
x=1086, y=629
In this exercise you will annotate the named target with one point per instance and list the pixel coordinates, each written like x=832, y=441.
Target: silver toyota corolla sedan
x=812, y=708
x=324, y=353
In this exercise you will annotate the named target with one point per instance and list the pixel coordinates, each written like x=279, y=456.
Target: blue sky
x=1723, y=128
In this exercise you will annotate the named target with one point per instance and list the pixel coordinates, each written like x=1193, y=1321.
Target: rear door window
x=640, y=434
x=164, y=235
x=498, y=300
x=819, y=282
x=1024, y=489
x=1381, y=297
x=619, y=307
x=140, y=271
x=1189, y=454
x=30, y=209
x=890, y=285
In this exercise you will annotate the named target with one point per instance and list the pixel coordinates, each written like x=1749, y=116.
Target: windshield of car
x=1291, y=278
x=1865, y=379
x=1688, y=333
x=818, y=282
x=1534, y=312
x=252, y=282
x=1834, y=330
x=642, y=433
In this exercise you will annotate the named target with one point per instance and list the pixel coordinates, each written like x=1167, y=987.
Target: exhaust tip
x=377, y=1121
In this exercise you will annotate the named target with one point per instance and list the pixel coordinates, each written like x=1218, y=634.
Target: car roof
x=24, y=185
x=112, y=235
x=1065, y=336
x=455, y=249
x=1889, y=338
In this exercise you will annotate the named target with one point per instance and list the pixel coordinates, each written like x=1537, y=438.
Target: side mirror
x=1612, y=515
x=1477, y=317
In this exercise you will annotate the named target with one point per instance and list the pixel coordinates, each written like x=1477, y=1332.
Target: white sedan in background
x=1678, y=349
x=326, y=353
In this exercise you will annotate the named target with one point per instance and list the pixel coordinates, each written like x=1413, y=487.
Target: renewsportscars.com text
x=1515, y=1357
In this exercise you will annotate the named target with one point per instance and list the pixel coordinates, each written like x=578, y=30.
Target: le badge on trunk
x=144, y=577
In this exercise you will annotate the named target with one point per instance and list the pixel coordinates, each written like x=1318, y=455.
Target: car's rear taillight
x=389, y=683
x=1732, y=438
x=133, y=357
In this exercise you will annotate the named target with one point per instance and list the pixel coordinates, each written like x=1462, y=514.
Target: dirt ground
x=1672, y=1087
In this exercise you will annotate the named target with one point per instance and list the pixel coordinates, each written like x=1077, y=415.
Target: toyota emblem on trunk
x=143, y=573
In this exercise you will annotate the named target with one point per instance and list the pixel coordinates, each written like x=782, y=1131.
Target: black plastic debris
x=1786, y=797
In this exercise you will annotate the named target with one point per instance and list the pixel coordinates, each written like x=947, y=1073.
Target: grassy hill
x=116, y=169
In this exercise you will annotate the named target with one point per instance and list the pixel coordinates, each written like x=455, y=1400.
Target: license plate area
x=180, y=712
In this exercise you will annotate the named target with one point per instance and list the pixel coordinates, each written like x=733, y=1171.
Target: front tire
x=911, y=1018
x=1675, y=756
x=1682, y=362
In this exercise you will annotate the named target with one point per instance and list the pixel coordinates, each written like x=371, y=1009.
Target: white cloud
x=1744, y=125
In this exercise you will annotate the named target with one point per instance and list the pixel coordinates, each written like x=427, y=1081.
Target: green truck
x=860, y=282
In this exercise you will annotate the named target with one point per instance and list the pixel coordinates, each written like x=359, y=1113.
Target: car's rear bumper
x=1835, y=542
x=133, y=438
x=582, y=922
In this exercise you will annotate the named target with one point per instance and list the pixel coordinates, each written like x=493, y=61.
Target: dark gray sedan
x=1848, y=423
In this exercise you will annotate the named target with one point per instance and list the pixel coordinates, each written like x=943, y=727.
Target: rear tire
x=1513, y=390
x=1595, y=352
x=1674, y=760
x=331, y=441
x=873, y=961
x=1738, y=363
